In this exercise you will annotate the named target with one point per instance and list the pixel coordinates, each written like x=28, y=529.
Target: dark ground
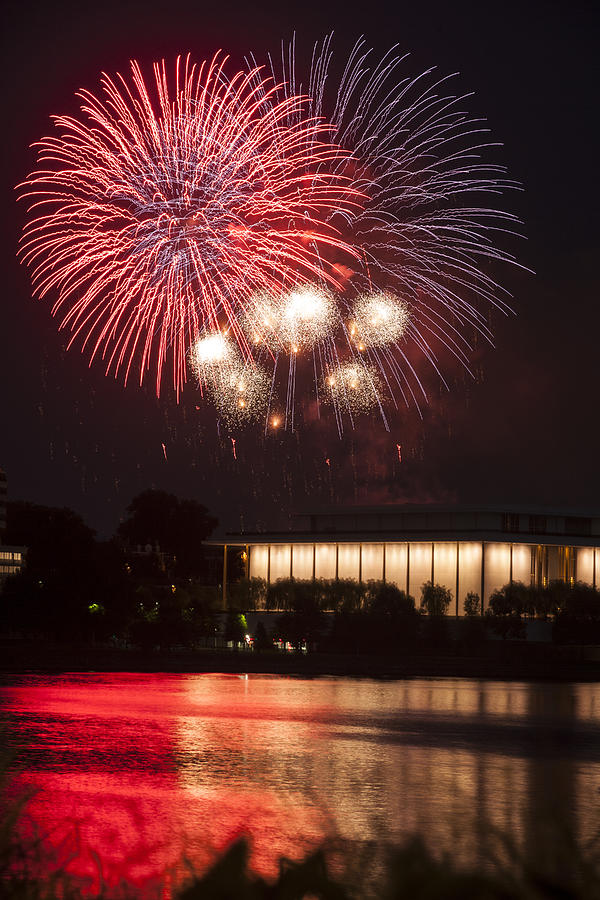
x=497, y=660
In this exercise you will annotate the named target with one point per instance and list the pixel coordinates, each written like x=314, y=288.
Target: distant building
x=464, y=548
x=11, y=558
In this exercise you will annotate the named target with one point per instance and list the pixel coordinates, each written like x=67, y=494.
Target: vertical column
x=314, y=560
x=224, y=576
x=457, y=571
x=407, y=567
x=482, y=577
x=384, y=560
x=360, y=546
x=269, y=565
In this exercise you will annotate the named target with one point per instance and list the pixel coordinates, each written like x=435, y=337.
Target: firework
x=212, y=351
x=261, y=321
x=425, y=230
x=161, y=209
x=378, y=320
x=295, y=320
x=337, y=234
x=353, y=387
x=238, y=389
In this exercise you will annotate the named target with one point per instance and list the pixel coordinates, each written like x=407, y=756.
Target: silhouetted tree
x=435, y=599
x=578, y=619
x=472, y=605
x=505, y=610
x=262, y=641
x=248, y=593
x=473, y=624
x=176, y=526
x=53, y=595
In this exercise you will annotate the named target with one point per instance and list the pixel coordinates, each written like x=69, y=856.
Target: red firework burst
x=158, y=213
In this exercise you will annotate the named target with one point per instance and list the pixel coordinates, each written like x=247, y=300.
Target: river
x=129, y=774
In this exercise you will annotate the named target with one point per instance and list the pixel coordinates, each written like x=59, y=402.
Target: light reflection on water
x=153, y=767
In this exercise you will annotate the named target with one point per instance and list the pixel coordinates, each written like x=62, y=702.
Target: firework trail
x=161, y=209
x=428, y=230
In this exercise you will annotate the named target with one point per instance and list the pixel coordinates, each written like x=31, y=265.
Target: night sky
x=524, y=430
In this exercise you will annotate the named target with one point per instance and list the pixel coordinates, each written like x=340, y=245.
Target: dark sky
x=525, y=430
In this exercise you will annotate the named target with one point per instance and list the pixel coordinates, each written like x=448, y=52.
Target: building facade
x=11, y=558
x=465, y=549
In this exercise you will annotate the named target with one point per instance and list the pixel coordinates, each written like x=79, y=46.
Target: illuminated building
x=464, y=548
x=11, y=558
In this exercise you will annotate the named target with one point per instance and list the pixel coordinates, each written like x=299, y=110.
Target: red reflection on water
x=114, y=800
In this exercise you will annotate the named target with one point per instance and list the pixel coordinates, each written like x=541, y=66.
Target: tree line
x=150, y=585
x=150, y=576
x=371, y=616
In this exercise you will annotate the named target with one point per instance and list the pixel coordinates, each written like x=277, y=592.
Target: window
x=577, y=525
x=510, y=522
x=537, y=524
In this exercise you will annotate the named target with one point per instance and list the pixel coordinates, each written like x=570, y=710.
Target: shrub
x=472, y=604
x=435, y=599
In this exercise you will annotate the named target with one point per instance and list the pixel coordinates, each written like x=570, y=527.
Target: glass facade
x=481, y=567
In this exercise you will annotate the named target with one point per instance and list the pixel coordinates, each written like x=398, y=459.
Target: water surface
x=139, y=770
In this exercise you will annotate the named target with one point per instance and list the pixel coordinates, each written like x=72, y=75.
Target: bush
x=578, y=619
x=504, y=613
x=435, y=599
x=248, y=594
x=472, y=604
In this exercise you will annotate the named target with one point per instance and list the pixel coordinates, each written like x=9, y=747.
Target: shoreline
x=510, y=661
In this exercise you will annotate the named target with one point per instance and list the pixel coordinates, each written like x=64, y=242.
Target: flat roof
x=516, y=508
x=415, y=537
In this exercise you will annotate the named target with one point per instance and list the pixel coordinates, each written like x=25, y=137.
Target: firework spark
x=160, y=210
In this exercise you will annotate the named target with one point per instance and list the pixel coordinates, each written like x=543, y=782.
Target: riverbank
x=493, y=660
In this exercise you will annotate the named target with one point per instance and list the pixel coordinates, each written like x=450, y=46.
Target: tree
x=56, y=538
x=578, y=619
x=236, y=628
x=435, y=599
x=385, y=619
x=261, y=638
x=472, y=604
x=248, y=593
x=53, y=594
x=280, y=594
x=473, y=624
x=505, y=610
x=176, y=526
x=393, y=616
